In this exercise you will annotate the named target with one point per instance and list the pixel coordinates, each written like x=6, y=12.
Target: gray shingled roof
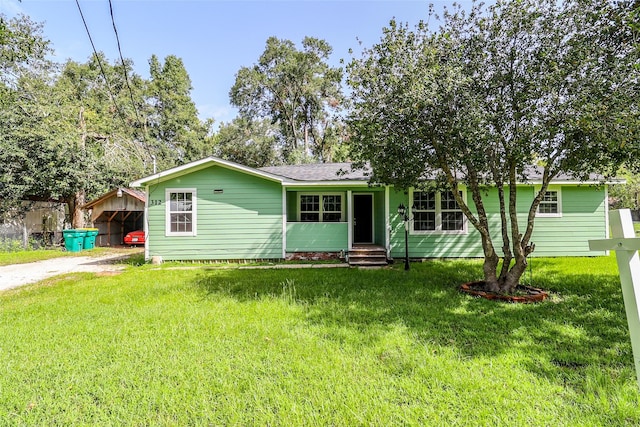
x=318, y=172
x=343, y=172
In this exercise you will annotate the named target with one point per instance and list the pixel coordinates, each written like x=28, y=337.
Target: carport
x=115, y=214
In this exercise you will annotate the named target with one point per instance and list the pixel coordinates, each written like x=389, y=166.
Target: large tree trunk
x=512, y=278
x=489, y=268
x=75, y=203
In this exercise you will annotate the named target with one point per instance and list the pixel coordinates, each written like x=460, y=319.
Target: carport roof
x=136, y=194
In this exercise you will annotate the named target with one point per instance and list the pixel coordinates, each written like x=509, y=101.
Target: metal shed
x=115, y=214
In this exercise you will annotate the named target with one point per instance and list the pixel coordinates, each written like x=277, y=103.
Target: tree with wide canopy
x=300, y=93
x=74, y=130
x=492, y=96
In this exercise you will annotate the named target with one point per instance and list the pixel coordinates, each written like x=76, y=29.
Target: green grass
x=317, y=347
x=22, y=257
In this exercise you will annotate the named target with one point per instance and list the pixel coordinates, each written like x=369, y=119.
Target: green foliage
x=11, y=245
x=520, y=91
x=22, y=47
x=173, y=124
x=299, y=92
x=295, y=347
x=23, y=69
x=250, y=143
x=73, y=131
x=626, y=195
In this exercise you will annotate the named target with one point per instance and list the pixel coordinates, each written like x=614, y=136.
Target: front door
x=362, y=218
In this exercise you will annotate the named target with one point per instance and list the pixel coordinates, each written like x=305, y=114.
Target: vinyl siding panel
x=317, y=236
x=584, y=210
x=243, y=222
x=314, y=237
x=583, y=218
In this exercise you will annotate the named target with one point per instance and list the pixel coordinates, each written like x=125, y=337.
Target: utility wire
x=104, y=75
x=124, y=66
x=126, y=79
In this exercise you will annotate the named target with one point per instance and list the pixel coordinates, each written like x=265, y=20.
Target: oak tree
x=492, y=97
x=299, y=92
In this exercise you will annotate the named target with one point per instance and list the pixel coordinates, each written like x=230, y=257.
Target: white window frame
x=439, y=211
x=321, y=206
x=168, y=212
x=558, y=202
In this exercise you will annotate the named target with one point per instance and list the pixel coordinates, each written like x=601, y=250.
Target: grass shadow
x=582, y=326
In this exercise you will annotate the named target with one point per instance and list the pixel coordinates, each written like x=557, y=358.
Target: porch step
x=368, y=256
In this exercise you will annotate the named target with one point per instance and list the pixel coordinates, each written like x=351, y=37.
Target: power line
x=126, y=79
x=104, y=75
x=124, y=66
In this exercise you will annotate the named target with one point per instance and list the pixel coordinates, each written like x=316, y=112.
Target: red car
x=134, y=238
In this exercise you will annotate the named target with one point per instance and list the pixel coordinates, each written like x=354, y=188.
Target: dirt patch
x=12, y=276
x=524, y=294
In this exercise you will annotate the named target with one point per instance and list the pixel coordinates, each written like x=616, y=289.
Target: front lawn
x=300, y=347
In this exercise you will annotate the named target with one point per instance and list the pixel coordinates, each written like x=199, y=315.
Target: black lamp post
x=403, y=211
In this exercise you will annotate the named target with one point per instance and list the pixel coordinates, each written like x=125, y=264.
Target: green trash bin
x=89, y=240
x=73, y=239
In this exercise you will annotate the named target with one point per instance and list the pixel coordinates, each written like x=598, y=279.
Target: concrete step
x=368, y=253
x=368, y=256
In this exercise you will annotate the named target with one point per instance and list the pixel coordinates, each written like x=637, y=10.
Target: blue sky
x=215, y=38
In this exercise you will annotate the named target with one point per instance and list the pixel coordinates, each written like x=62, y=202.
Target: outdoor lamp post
x=403, y=211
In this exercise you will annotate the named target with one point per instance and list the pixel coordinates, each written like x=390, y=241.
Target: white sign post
x=625, y=243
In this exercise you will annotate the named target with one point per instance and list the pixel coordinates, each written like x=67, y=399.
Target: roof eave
x=203, y=164
x=571, y=182
x=110, y=194
x=353, y=183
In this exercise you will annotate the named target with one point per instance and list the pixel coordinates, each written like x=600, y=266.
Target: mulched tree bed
x=524, y=294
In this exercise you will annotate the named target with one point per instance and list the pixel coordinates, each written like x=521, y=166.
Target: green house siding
x=330, y=237
x=430, y=245
x=242, y=221
x=239, y=215
x=583, y=218
x=584, y=210
x=317, y=236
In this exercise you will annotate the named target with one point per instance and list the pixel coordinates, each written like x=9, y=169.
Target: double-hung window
x=321, y=207
x=435, y=211
x=551, y=204
x=181, y=212
x=424, y=211
x=452, y=216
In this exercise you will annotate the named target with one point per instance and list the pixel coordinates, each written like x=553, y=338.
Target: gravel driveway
x=12, y=276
